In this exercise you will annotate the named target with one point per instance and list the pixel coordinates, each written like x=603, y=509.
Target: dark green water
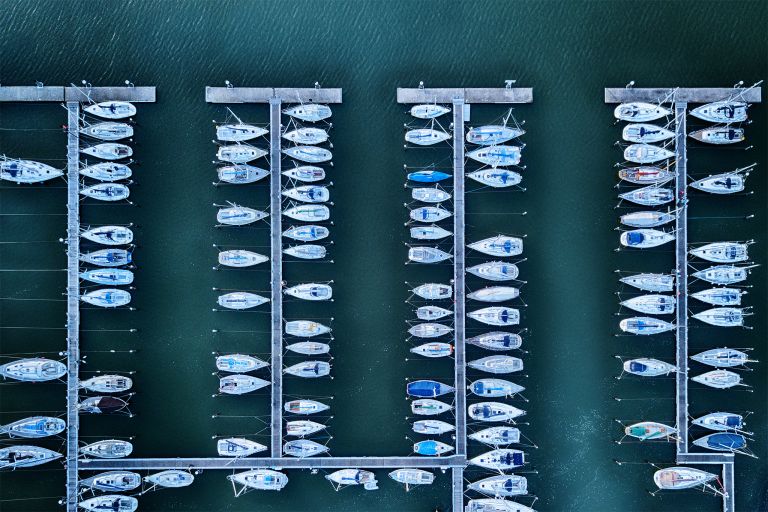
x=567, y=51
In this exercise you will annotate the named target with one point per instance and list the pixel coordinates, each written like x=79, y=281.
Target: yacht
x=725, y=183
x=239, y=132
x=108, y=449
x=652, y=195
x=111, y=276
x=236, y=215
x=241, y=174
x=430, y=195
x=645, y=238
x=722, y=317
x=239, y=363
x=645, y=325
x=723, y=274
x=306, y=136
x=34, y=427
x=306, y=251
x=301, y=428
x=110, y=502
x=496, y=178
x=501, y=485
x=493, y=411
x=108, y=131
x=238, y=447
x=108, y=151
x=429, y=214
x=33, y=369
x=111, y=109
x=429, y=232
x=426, y=136
x=429, y=111
x=434, y=291
x=718, y=379
x=172, y=478
x=498, y=364
x=241, y=300
x=496, y=156
x=640, y=112
x=646, y=219
x=24, y=456
x=310, y=291
x=647, y=367
x=305, y=328
x=106, y=192
x=239, y=258
x=488, y=135
x=643, y=133
x=722, y=357
x=499, y=245
x=238, y=384
x=107, y=171
x=27, y=171
x=651, y=304
x=646, y=153
x=432, y=313
x=308, y=194
x=720, y=296
x=432, y=427
x=304, y=407
x=679, y=477
x=107, y=298
x=309, y=369
x=306, y=173
x=239, y=153
x=303, y=448
x=261, y=479
x=427, y=255
x=309, y=348
x=500, y=459
x=497, y=341
x=495, y=271
x=429, y=330
x=719, y=135
x=309, y=112
x=496, y=315
x=720, y=421
x=433, y=350
x=107, y=384
x=495, y=388
x=497, y=436
x=109, y=235
x=722, y=252
x=727, y=111
x=308, y=212
x=646, y=175
x=429, y=407
x=306, y=233
x=112, y=481
x=494, y=294
x=308, y=154
x=651, y=282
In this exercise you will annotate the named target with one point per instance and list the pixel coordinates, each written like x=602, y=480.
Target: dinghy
x=722, y=252
x=432, y=313
x=172, y=478
x=107, y=298
x=497, y=340
x=241, y=174
x=112, y=481
x=651, y=304
x=301, y=448
x=676, y=478
x=107, y=384
x=239, y=258
x=647, y=367
x=720, y=296
x=428, y=111
x=309, y=369
x=646, y=175
x=412, y=476
x=308, y=194
x=640, y=112
x=652, y=195
x=726, y=183
x=106, y=192
x=306, y=173
x=238, y=384
x=239, y=132
x=433, y=350
x=309, y=348
x=239, y=363
x=497, y=364
x=645, y=325
x=722, y=357
x=494, y=411
x=495, y=505
x=430, y=195
x=432, y=427
x=114, y=276
x=305, y=328
x=306, y=136
x=650, y=431
x=241, y=300
x=495, y=271
x=110, y=502
x=643, y=133
x=310, y=291
x=107, y=131
x=646, y=153
x=34, y=427
x=434, y=291
x=308, y=154
x=431, y=448
x=309, y=112
x=239, y=153
x=301, y=428
x=109, y=235
x=111, y=109
x=429, y=407
x=496, y=156
x=108, y=449
x=427, y=389
x=496, y=315
x=428, y=176
x=720, y=421
x=722, y=317
x=429, y=214
x=495, y=388
x=647, y=219
x=429, y=330
x=719, y=135
x=107, y=171
x=494, y=294
x=651, y=282
x=645, y=238
x=492, y=134
x=238, y=447
x=497, y=436
x=426, y=136
x=722, y=442
x=27, y=171
x=33, y=369
x=308, y=213
x=718, y=379
x=25, y=456
x=306, y=233
x=496, y=178
x=429, y=233
x=344, y=477
x=102, y=405
x=722, y=112
x=427, y=255
x=723, y=274
x=500, y=459
x=501, y=485
x=236, y=215
x=260, y=479
x=499, y=245
x=108, y=151
x=306, y=251
x=304, y=407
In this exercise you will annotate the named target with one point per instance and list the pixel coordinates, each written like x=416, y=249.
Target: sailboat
x=652, y=195
x=309, y=348
x=239, y=132
x=107, y=171
x=303, y=448
x=648, y=367
x=497, y=340
x=429, y=214
x=646, y=175
x=306, y=173
x=109, y=235
x=301, y=428
x=718, y=379
x=239, y=153
x=305, y=407
x=651, y=304
x=307, y=233
x=500, y=459
x=646, y=219
x=723, y=274
x=306, y=251
x=496, y=178
x=241, y=300
x=646, y=153
x=107, y=297
x=495, y=271
x=640, y=112
x=676, y=478
x=239, y=363
x=308, y=212
x=111, y=502
x=495, y=388
x=501, y=485
x=309, y=112
x=33, y=369
x=309, y=369
x=723, y=442
x=497, y=156
x=650, y=431
x=34, y=427
x=112, y=481
x=305, y=328
x=111, y=109
x=644, y=133
x=497, y=364
x=239, y=384
x=499, y=245
x=496, y=315
x=260, y=479
x=306, y=136
x=172, y=478
x=108, y=131
x=495, y=505
x=727, y=111
x=433, y=350
x=720, y=421
x=432, y=312
x=645, y=238
x=494, y=294
x=106, y=191
x=102, y=405
x=344, y=477
x=645, y=325
x=429, y=232
x=236, y=215
x=429, y=330
x=429, y=407
x=427, y=255
x=428, y=388
x=412, y=476
x=432, y=427
x=108, y=276
x=494, y=411
x=720, y=296
x=239, y=258
x=434, y=291
x=430, y=194
x=310, y=291
x=497, y=436
x=426, y=136
x=107, y=384
x=308, y=194
x=722, y=252
x=428, y=176
x=238, y=447
x=723, y=357
x=431, y=448
x=492, y=134
x=429, y=111
x=24, y=456
x=108, y=449
x=108, y=151
x=241, y=174
x=308, y=154
x=27, y=171
x=722, y=317
x=719, y=135
x=650, y=282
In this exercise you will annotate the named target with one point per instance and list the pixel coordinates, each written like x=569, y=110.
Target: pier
x=277, y=275
x=459, y=275
x=84, y=94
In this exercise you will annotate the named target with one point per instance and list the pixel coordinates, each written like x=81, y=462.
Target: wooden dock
x=276, y=261
x=266, y=94
x=682, y=94
x=26, y=94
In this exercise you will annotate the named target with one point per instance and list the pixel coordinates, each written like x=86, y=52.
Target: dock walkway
x=459, y=275
x=277, y=275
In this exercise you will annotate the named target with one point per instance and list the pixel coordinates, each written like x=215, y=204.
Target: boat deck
x=277, y=276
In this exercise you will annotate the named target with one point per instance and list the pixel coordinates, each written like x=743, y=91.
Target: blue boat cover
x=425, y=388
x=426, y=448
x=733, y=420
x=726, y=441
x=634, y=366
x=635, y=238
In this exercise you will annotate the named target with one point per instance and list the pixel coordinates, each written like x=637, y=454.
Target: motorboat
x=429, y=194
x=308, y=194
x=650, y=282
x=496, y=178
x=306, y=136
x=646, y=219
x=309, y=112
x=499, y=245
x=492, y=134
x=722, y=317
x=434, y=291
x=239, y=363
x=725, y=183
x=239, y=153
x=24, y=456
x=652, y=195
x=722, y=252
x=102, y=405
x=496, y=315
x=236, y=215
x=497, y=364
x=650, y=431
x=109, y=235
x=239, y=132
x=308, y=154
x=722, y=442
x=241, y=174
x=108, y=131
x=309, y=348
x=651, y=304
x=305, y=328
x=111, y=109
x=493, y=411
x=307, y=233
x=108, y=449
x=429, y=232
x=646, y=153
x=643, y=133
x=108, y=151
x=428, y=176
x=260, y=479
x=645, y=238
x=495, y=294
x=497, y=340
x=722, y=357
x=647, y=367
x=111, y=502
x=239, y=258
x=429, y=214
x=412, y=476
x=723, y=274
x=107, y=171
x=497, y=436
x=106, y=191
x=432, y=427
x=303, y=448
x=428, y=389
x=495, y=271
x=310, y=291
x=306, y=173
x=34, y=427
x=501, y=485
x=719, y=135
x=500, y=459
x=172, y=478
x=497, y=156
x=645, y=325
x=495, y=505
x=679, y=477
x=107, y=384
x=718, y=379
x=429, y=111
x=304, y=407
x=646, y=175
x=241, y=300
x=306, y=251
x=429, y=330
x=720, y=296
x=112, y=481
x=495, y=388
x=27, y=171
x=638, y=111
x=309, y=369
x=426, y=136
x=238, y=447
x=432, y=313
x=344, y=477
x=301, y=428
x=431, y=448
x=308, y=212
x=720, y=421
x=434, y=349
x=33, y=369
x=427, y=255
x=429, y=407
x=107, y=298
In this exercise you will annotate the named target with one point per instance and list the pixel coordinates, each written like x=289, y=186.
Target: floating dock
x=267, y=94
x=85, y=94
x=682, y=94
x=472, y=95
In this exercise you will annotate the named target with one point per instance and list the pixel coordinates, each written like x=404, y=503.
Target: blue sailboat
x=428, y=176
x=428, y=388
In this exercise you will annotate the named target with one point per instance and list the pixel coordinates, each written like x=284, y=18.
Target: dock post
x=277, y=276
x=459, y=274
x=457, y=492
x=73, y=299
